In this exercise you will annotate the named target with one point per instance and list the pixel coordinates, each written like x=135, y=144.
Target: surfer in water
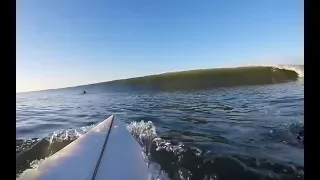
x=84, y=92
x=300, y=136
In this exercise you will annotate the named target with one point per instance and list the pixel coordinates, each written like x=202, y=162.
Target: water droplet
x=213, y=177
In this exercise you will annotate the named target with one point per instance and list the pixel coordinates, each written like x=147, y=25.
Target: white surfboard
x=100, y=154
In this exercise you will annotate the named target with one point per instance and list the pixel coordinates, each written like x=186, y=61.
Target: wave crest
x=297, y=68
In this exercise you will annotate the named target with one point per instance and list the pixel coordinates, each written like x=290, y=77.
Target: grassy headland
x=209, y=78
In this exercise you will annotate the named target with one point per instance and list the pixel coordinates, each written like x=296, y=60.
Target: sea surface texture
x=225, y=133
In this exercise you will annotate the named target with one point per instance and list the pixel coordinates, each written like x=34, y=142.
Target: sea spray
x=145, y=134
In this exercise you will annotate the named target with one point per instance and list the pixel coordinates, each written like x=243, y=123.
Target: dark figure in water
x=84, y=92
x=301, y=135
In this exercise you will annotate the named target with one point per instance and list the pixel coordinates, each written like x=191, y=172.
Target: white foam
x=28, y=173
x=145, y=134
x=297, y=68
x=69, y=134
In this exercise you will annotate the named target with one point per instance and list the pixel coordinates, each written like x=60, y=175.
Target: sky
x=63, y=43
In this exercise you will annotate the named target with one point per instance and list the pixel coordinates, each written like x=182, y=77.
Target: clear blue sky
x=71, y=42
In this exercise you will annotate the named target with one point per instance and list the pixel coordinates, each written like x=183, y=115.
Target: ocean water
x=245, y=132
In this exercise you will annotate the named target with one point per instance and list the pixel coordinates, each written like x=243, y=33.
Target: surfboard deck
x=122, y=157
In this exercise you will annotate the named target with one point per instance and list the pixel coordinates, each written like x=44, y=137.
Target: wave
x=207, y=79
x=197, y=79
x=166, y=159
x=297, y=68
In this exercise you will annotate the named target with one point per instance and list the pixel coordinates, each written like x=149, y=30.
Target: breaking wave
x=297, y=68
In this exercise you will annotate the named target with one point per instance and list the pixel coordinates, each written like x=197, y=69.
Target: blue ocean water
x=256, y=125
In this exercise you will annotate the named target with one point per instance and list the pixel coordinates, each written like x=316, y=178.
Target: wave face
x=297, y=68
x=201, y=79
x=243, y=132
x=210, y=78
